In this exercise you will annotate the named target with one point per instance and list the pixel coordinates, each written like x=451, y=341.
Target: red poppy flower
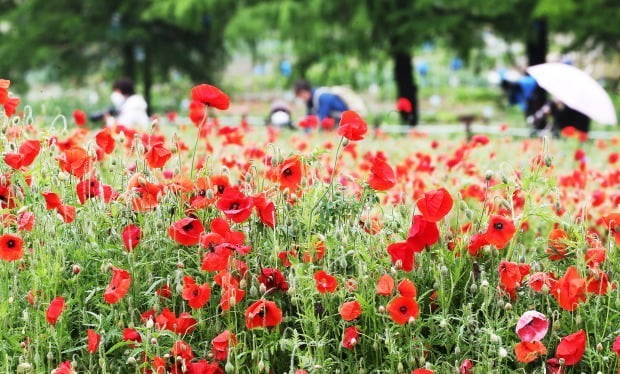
x=25, y=220
x=52, y=201
x=328, y=123
x=79, y=117
x=75, y=161
x=532, y=326
x=314, y=253
x=325, y=282
x=402, y=309
x=198, y=113
x=67, y=212
x=435, y=205
x=422, y=371
x=195, y=294
x=54, y=310
x=422, y=233
x=266, y=210
x=88, y=188
x=64, y=368
x=402, y=255
x=595, y=256
x=598, y=282
x=131, y=335
x=539, y=280
x=27, y=153
x=186, y=231
x=230, y=297
x=529, y=351
x=407, y=288
x=235, y=205
x=557, y=244
x=273, y=279
x=11, y=247
x=182, y=349
x=222, y=228
x=210, y=95
x=385, y=286
x=10, y=105
x=157, y=156
x=500, y=231
x=382, y=176
x=262, y=313
x=289, y=173
x=350, y=310
x=352, y=126
x=105, y=141
x=572, y=348
x=612, y=222
x=118, y=287
x=131, y=237
x=466, y=367
x=616, y=346
x=217, y=258
x=351, y=337
x=570, y=290
x=404, y=105
x=93, y=340
x=221, y=345
x=511, y=274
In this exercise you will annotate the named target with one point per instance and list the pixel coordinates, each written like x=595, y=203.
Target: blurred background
x=443, y=55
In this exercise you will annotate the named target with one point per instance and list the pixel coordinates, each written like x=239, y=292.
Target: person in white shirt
x=131, y=108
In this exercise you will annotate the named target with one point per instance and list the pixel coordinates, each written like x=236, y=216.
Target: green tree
x=71, y=38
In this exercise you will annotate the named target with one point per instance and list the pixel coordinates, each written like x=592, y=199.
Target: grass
x=463, y=313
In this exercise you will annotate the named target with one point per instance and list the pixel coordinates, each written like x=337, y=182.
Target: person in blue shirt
x=529, y=96
x=320, y=101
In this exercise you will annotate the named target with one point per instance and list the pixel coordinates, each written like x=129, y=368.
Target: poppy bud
x=444, y=270
x=578, y=319
x=243, y=283
x=469, y=214
x=254, y=291
x=411, y=320
x=494, y=338
x=508, y=306
x=599, y=347
x=76, y=269
x=23, y=344
x=149, y=323
x=230, y=368
x=488, y=175
x=473, y=287
x=50, y=355
x=484, y=284
x=375, y=346
x=11, y=300
x=400, y=368
x=260, y=366
x=561, y=361
x=209, y=194
x=179, y=288
x=457, y=350
x=153, y=341
x=502, y=352
x=381, y=309
x=443, y=323
x=556, y=326
x=548, y=161
x=262, y=288
x=24, y=367
x=131, y=360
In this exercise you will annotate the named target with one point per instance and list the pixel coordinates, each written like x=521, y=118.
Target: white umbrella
x=576, y=89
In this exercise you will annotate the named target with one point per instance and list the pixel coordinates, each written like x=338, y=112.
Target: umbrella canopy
x=576, y=89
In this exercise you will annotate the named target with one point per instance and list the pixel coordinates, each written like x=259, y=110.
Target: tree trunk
x=537, y=43
x=406, y=86
x=129, y=62
x=147, y=72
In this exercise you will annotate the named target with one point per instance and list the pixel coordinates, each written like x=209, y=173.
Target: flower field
x=203, y=248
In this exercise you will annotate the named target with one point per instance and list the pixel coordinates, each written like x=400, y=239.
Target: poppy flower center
x=234, y=206
x=261, y=314
x=202, y=193
x=195, y=293
x=287, y=172
x=10, y=243
x=220, y=189
x=188, y=227
x=498, y=225
x=403, y=309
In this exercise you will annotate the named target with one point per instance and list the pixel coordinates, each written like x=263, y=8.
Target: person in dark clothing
x=320, y=101
x=562, y=116
x=529, y=96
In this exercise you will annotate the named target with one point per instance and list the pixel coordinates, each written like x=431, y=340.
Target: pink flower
x=532, y=326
